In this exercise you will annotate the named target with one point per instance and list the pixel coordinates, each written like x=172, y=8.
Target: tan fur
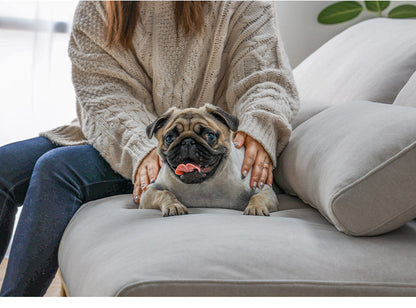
x=259, y=204
x=189, y=126
x=165, y=201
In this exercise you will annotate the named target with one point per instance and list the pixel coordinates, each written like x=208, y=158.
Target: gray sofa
x=347, y=190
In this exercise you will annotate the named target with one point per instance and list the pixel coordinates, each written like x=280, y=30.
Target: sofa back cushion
x=356, y=164
x=371, y=60
x=407, y=95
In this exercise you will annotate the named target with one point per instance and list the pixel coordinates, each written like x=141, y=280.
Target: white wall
x=301, y=32
x=36, y=92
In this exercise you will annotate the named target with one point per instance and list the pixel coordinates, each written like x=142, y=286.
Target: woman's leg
x=62, y=180
x=17, y=161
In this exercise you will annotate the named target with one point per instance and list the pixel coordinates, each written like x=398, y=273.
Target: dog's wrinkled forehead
x=189, y=122
x=188, y=119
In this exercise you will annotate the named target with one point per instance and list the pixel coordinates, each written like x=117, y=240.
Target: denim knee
x=7, y=185
x=6, y=194
x=17, y=161
x=13, y=186
x=49, y=163
x=74, y=175
x=52, y=173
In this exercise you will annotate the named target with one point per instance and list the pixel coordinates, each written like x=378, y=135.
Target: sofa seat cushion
x=111, y=248
x=355, y=163
x=371, y=60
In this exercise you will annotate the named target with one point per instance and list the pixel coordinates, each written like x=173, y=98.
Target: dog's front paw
x=174, y=209
x=258, y=210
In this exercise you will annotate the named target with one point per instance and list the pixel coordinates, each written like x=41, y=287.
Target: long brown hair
x=122, y=18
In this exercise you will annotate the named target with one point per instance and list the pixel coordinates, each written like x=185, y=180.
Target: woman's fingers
x=152, y=171
x=269, y=180
x=257, y=178
x=144, y=178
x=265, y=173
x=249, y=159
x=146, y=174
x=240, y=139
x=136, y=190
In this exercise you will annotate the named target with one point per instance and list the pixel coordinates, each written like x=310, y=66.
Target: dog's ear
x=153, y=128
x=224, y=117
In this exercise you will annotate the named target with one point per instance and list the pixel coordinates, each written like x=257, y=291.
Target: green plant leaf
x=403, y=11
x=340, y=12
x=377, y=6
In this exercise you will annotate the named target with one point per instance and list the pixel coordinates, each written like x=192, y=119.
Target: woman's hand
x=257, y=158
x=146, y=174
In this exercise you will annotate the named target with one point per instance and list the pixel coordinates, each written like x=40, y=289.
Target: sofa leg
x=64, y=289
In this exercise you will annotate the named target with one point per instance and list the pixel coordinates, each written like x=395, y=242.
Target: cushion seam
x=374, y=170
x=254, y=282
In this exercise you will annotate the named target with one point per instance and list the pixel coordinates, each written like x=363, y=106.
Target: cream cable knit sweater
x=238, y=63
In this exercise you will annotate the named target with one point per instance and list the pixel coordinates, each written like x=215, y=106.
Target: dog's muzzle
x=194, y=162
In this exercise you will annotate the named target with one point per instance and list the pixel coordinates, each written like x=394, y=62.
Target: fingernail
x=135, y=199
x=243, y=176
x=261, y=185
x=152, y=181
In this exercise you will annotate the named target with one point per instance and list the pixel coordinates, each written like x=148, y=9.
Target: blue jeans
x=51, y=182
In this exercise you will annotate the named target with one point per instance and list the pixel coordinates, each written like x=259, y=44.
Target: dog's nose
x=188, y=142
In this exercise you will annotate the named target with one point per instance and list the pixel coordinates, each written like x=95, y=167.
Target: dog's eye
x=211, y=137
x=169, y=139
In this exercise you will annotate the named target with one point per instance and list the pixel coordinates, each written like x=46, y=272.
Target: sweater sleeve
x=261, y=90
x=114, y=104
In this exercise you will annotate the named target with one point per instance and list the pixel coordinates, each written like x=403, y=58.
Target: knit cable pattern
x=237, y=63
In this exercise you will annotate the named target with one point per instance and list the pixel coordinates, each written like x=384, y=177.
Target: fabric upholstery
x=371, y=60
x=111, y=248
x=355, y=163
x=407, y=95
x=307, y=109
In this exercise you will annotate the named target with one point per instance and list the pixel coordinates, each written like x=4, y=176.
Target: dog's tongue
x=182, y=168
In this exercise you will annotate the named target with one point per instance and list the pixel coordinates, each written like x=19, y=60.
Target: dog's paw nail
x=135, y=199
x=256, y=211
x=174, y=209
x=261, y=185
x=152, y=181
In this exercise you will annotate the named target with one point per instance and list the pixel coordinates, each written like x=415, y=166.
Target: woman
x=131, y=61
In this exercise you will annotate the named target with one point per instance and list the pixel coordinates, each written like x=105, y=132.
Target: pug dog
x=201, y=166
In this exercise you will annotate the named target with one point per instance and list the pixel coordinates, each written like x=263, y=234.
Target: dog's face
x=194, y=142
